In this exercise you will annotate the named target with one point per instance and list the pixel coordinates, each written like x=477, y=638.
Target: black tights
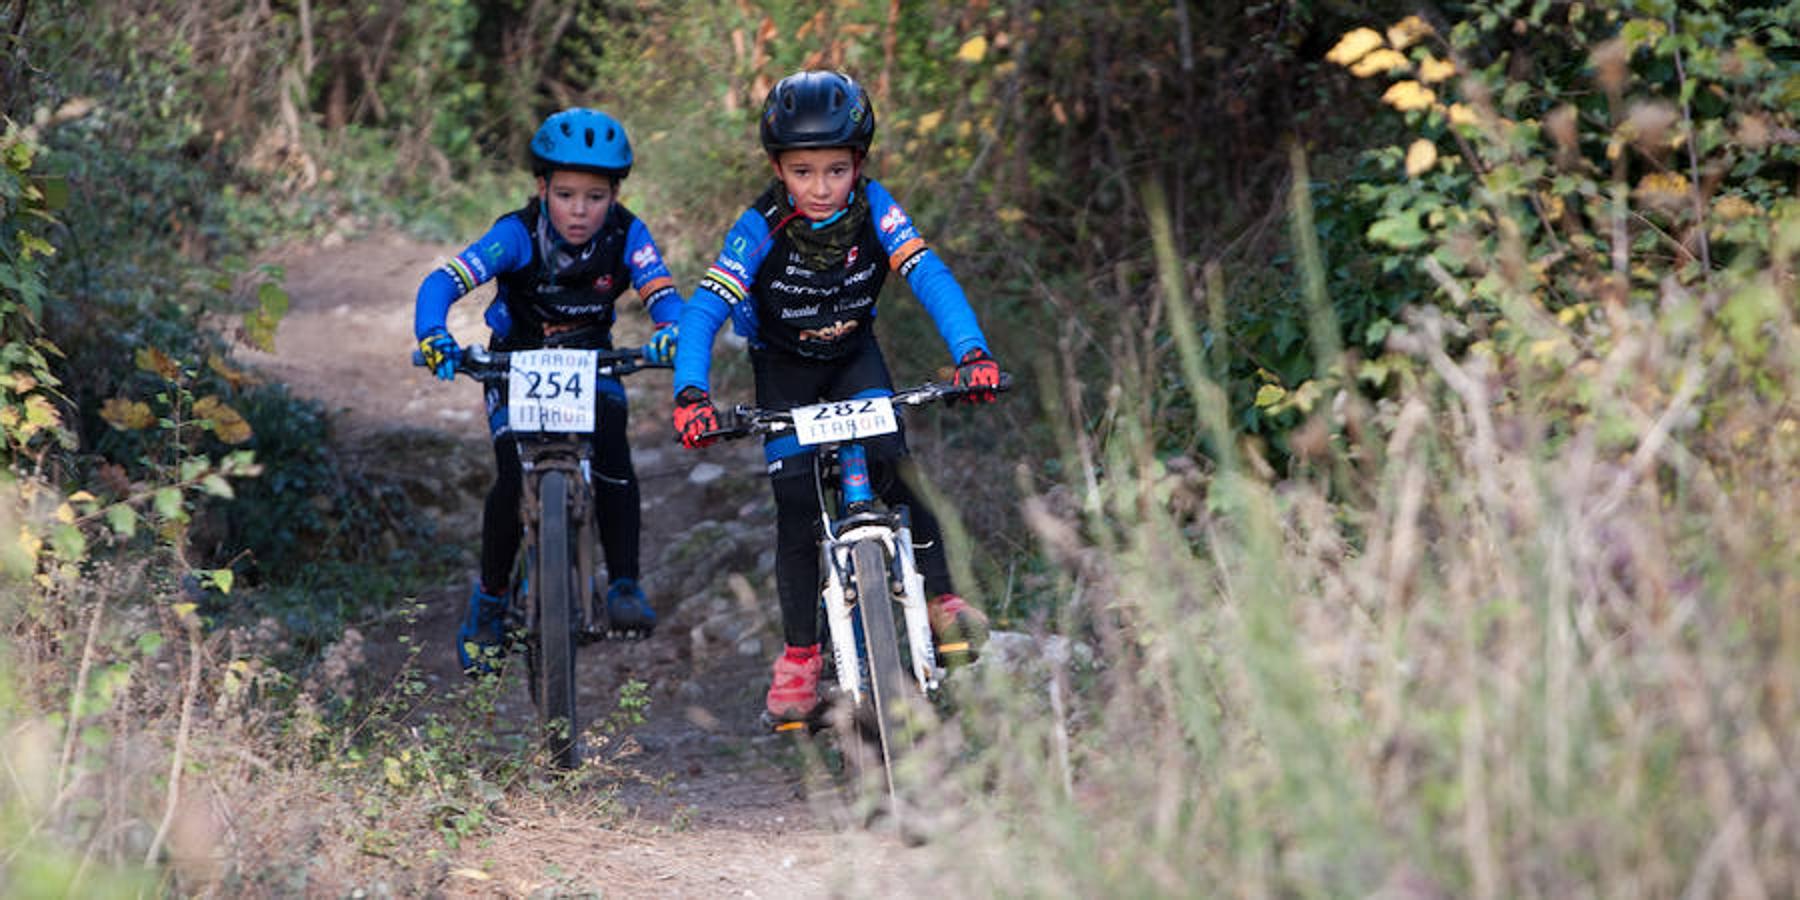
x=798, y=530
x=615, y=504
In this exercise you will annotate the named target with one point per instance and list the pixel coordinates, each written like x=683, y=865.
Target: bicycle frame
x=557, y=599
x=851, y=521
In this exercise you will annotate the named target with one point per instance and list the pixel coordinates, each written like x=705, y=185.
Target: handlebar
x=491, y=366
x=745, y=421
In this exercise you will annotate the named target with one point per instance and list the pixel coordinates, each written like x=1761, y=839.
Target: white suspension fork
x=835, y=561
x=912, y=604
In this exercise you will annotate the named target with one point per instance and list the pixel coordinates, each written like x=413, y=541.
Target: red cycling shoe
x=959, y=628
x=794, y=692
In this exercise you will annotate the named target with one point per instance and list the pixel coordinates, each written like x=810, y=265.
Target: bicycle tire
x=891, y=698
x=555, y=632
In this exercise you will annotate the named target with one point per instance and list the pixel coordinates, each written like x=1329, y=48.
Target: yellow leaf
x=1378, y=62
x=30, y=543
x=227, y=423
x=1407, y=96
x=127, y=415
x=65, y=514
x=236, y=378
x=1010, y=215
x=1662, y=184
x=1404, y=33
x=930, y=121
x=1433, y=70
x=973, y=50
x=1420, y=157
x=1354, y=46
x=1732, y=207
x=472, y=874
x=1460, y=114
x=183, y=610
x=158, y=363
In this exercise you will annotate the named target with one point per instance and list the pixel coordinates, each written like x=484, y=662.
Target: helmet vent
x=587, y=134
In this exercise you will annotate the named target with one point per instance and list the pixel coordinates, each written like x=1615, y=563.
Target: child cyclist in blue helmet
x=799, y=276
x=561, y=261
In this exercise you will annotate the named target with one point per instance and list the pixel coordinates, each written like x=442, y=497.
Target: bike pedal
x=802, y=727
x=956, y=653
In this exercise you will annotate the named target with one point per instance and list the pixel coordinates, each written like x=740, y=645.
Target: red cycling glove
x=978, y=372
x=695, y=415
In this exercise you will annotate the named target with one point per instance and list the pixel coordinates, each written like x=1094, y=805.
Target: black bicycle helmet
x=586, y=140
x=817, y=109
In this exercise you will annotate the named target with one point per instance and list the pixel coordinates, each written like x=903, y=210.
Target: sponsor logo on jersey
x=850, y=257
x=603, y=283
x=832, y=332
x=894, y=219
x=645, y=257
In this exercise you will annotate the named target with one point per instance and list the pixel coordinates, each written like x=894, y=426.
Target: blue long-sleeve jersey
x=546, y=282
x=764, y=284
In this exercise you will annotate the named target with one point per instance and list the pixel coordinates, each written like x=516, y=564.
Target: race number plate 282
x=843, y=420
x=551, y=390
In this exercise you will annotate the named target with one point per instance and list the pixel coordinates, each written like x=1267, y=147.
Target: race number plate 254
x=844, y=420
x=551, y=390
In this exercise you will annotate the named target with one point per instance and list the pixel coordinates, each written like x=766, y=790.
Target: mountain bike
x=885, y=669
x=556, y=602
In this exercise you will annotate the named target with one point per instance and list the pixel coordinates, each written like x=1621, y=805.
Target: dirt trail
x=720, y=808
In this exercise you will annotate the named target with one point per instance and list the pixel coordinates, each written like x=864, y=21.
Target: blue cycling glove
x=441, y=353
x=661, y=349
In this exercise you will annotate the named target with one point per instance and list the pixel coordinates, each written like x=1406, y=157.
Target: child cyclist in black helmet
x=561, y=262
x=799, y=276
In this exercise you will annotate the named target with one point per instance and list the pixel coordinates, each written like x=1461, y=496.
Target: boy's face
x=819, y=180
x=578, y=202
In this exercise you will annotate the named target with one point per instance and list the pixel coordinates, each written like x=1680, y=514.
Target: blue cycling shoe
x=481, y=640
x=627, y=610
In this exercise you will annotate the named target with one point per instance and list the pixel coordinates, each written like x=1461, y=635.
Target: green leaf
x=168, y=503
x=1401, y=232
x=219, y=578
x=149, y=642
x=272, y=298
x=68, y=542
x=217, y=486
x=122, y=519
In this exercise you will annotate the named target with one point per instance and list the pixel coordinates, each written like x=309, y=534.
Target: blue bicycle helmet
x=586, y=140
x=817, y=109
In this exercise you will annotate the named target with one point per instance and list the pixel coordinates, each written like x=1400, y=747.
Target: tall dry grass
x=1488, y=644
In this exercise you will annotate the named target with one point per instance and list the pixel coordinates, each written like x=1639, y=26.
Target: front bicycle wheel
x=894, y=701
x=555, y=671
